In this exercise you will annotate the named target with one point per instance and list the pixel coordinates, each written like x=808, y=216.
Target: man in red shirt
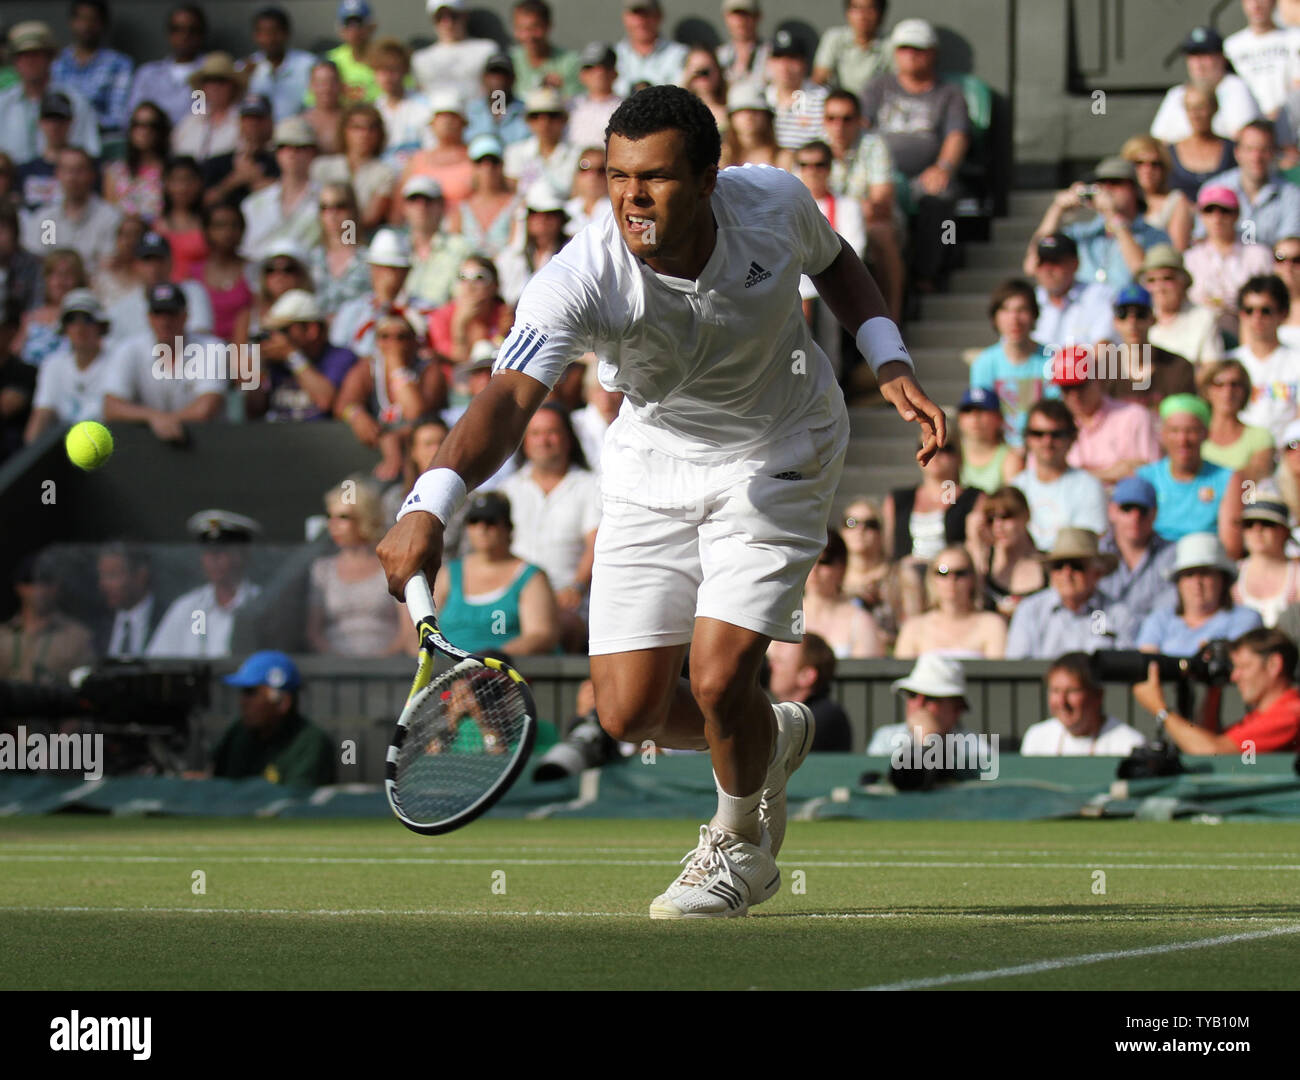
x=1263, y=662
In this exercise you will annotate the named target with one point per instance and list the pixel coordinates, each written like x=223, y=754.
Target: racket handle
x=419, y=601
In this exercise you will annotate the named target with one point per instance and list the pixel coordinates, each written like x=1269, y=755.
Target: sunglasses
x=1162, y=279
x=913, y=695
x=79, y=317
x=1042, y=433
x=943, y=570
x=343, y=517
x=1262, y=310
x=335, y=206
x=1079, y=566
x=838, y=118
x=1151, y=163
x=818, y=164
x=1133, y=311
x=1214, y=208
x=488, y=159
x=1128, y=508
x=477, y=276
x=866, y=523
x=281, y=268
x=395, y=335
x=1262, y=524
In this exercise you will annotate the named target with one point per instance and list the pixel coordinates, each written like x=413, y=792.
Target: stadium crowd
x=1125, y=467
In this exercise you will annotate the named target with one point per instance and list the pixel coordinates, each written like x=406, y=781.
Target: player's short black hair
x=659, y=108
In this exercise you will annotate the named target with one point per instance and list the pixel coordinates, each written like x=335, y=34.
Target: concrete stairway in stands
x=880, y=455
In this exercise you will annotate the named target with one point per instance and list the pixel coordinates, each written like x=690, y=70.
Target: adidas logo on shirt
x=756, y=274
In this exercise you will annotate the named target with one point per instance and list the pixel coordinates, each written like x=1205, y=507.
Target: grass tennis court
x=100, y=903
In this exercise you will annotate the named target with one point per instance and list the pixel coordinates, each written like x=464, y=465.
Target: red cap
x=1072, y=365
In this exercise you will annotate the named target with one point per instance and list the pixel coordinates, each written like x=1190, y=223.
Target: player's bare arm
x=854, y=298
x=489, y=432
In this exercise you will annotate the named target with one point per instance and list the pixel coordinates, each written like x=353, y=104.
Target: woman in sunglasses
x=1005, y=556
x=1167, y=210
x=1203, y=574
x=953, y=626
x=1226, y=386
x=338, y=265
x=284, y=267
x=834, y=615
x=134, y=186
x=475, y=312
x=870, y=575
x=1267, y=581
x=1220, y=264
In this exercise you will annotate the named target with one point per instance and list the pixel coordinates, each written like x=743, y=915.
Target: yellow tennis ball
x=89, y=445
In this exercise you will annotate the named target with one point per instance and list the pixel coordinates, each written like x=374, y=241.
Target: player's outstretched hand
x=413, y=544
x=899, y=387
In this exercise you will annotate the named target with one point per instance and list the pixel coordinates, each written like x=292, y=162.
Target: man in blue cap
x=272, y=739
x=1139, y=579
x=987, y=462
x=1167, y=373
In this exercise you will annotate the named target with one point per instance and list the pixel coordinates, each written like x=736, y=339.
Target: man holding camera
x=304, y=371
x=1263, y=663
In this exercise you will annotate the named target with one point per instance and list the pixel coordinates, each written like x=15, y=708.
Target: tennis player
x=717, y=475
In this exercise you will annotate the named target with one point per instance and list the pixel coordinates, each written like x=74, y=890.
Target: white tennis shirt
x=709, y=368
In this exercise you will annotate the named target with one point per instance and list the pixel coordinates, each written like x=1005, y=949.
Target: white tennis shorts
x=733, y=541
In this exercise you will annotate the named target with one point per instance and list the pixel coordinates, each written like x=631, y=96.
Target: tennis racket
x=463, y=736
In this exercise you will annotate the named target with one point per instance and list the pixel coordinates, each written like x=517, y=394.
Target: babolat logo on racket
x=520, y=347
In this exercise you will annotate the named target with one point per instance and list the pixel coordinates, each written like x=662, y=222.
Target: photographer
x=304, y=371
x=1263, y=662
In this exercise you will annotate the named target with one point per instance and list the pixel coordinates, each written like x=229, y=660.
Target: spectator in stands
x=987, y=462
x=1013, y=367
x=813, y=165
x=870, y=577
x=1287, y=477
x=1268, y=202
x=919, y=521
x=1113, y=438
x=1113, y=243
x=224, y=538
x=125, y=579
x=427, y=435
x=702, y=75
x=1274, y=369
x=286, y=209
x=21, y=269
x=272, y=739
x=592, y=421
x=543, y=238
x=485, y=220
x=250, y=166
x=1244, y=448
x=555, y=504
x=1077, y=726
x=326, y=92
x=1003, y=551
x=338, y=264
x=1058, y=494
x=406, y=116
x=1189, y=490
x=165, y=82
x=280, y=73
x=40, y=644
x=36, y=178
x=1208, y=68
x=644, y=56
x=1203, y=575
x=134, y=185
x=476, y=312
x=1181, y=327
x=78, y=218
x=349, y=611
x=546, y=154
x=1070, y=311
x=181, y=220
x=1072, y=613
x=849, y=57
x=38, y=335
x=935, y=690
x=454, y=63
x=1200, y=154
x=492, y=599
x=117, y=276
x=436, y=255
x=802, y=671
x=744, y=54
x=303, y=373
x=356, y=26
x=953, y=625
x=537, y=60
x=214, y=130
x=590, y=111
x=153, y=266
x=1267, y=581
x=1263, y=662
x=448, y=160
x=1286, y=265
x=797, y=101
x=590, y=202
x=845, y=625
x=32, y=48
x=359, y=163
x=1167, y=209
x=1168, y=373
x=1264, y=56
x=159, y=387
x=925, y=122
x=384, y=393
x=751, y=138
x=1140, y=579
x=1219, y=264
x=102, y=76
x=389, y=259
x=496, y=110
x=70, y=383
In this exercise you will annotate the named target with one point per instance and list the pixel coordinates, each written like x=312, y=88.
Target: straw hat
x=219, y=65
x=1072, y=543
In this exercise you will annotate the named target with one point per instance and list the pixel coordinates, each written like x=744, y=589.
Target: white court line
x=823, y=864
x=1087, y=958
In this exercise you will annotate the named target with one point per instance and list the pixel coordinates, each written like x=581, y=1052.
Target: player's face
x=657, y=197
x=1078, y=708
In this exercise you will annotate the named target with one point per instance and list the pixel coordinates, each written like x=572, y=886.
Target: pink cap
x=1217, y=195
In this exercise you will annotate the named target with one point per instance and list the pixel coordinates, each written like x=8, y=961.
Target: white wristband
x=880, y=342
x=438, y=492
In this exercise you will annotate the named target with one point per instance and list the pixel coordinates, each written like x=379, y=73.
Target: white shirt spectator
x=1049, y=738
x=454, y=66
x=265, y=221
x=285, y=85
x=133, y=377
x=1276, y=389
x=1237, y=107
x=551, y=530
x=20, y=129
x=525, y=165
x=579, y=218
x=1075, y=499
x=1193, y=334
x=406, y=125
x=1086, y=318
x=92, y=233
x=801, y=121
x=198, y=137
x=175, y=635
x=129, y=314
x=72, y=393
x=588, y=120
x=663, y=65
x=1269, y=63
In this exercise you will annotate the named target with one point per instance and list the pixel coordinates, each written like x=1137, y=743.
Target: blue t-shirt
x=1100, y=258
x=1018, y=386
x=1186, y=506
x=1173, y=637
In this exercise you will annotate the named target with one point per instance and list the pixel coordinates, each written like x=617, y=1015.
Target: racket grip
x=419, y=601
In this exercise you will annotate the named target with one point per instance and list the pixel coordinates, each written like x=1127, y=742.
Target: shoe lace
x=709, y=856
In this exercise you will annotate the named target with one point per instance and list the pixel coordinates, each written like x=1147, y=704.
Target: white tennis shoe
x=724, y=876
x=795, y=728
